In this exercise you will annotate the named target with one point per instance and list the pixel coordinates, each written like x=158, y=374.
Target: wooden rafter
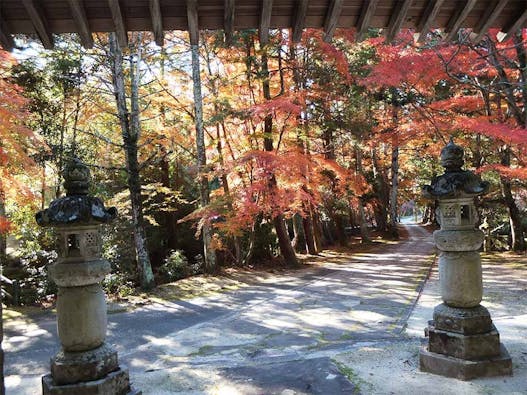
x=457, y=21
x=265, y=21
x=157, y=22
x=518, y=24
x=366, y=14
x=192, y=16
x=83, y=27
x=332, y=18
x=6, y=40
x=299, y=19
x=397, y=19
x=428, y=18
x=39, y=21
x=228, y=20
x=118, y=23
x=489, y=19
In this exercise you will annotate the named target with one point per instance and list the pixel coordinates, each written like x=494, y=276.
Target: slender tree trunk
x=3, y=260
x=307, y=223
x=395, y=176
x=364, y=231
x=381, y=191
x=394, y=191
x=3, y=234
x=299, y=241
x=130, y=129
x=286, y=249
x=517, y=233
x=209, y=254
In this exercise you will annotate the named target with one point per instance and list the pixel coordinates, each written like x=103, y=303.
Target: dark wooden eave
x=43, y=18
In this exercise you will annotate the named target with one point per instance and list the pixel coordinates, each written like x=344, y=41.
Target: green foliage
x=35, y=253
x=118, y=284
x=176, y=266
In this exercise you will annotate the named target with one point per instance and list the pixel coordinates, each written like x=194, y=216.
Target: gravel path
x=280, y=336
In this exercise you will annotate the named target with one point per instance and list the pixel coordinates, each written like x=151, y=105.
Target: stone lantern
x=462, y=340
x=86, y=364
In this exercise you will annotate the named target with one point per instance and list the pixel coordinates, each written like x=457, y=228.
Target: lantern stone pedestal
x=85, y=365
x=462, y=340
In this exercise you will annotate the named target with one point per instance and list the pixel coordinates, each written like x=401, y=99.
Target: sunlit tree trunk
x=209, y=254
x=130, y=130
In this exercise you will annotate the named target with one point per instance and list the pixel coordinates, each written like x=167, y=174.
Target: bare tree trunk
x=364, y=232
x=381, y=191
x=517, y=234
x=130, y=129
x=299, y=241
x=3, y=233
x=395, y=177
x=309, y=232
x=209, y=254
x=394, y=191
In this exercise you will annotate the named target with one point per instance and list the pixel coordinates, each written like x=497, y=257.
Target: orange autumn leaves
x=16, y=141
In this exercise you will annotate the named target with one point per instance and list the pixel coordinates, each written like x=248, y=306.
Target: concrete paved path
x=279, y=336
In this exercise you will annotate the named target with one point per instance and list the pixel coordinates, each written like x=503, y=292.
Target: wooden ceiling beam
x=397, y=19
x=299, y=19
x=39, y=21
x=83, y=27
x=366, y=14
x=429, y=16
x=517, y=25
x=118, y=23
x=157, y=22
x=192, y=16
x=489, y=19
x=228, y=20
x=332, y=18
x=265, y=21
x=457, y=20
x=6, y=40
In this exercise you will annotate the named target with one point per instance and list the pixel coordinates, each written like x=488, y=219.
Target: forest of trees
x=219, y=155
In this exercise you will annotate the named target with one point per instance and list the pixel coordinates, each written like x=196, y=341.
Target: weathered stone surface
x=461, y=278
x=481, y=346
x=74, y=210
x=115, y=383
x=471, y=321
x=455, y=182
x=79, y=274
x=464, y=369
x=81, y=317
x=458, y=240
x=73, y=367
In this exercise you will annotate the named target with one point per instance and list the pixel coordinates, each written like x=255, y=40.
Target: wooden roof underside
x=46, y=17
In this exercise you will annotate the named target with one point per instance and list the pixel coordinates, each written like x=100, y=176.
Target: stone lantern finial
x=76, y=178
x=452, y=157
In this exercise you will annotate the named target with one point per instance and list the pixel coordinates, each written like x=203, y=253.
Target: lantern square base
x=115, y=383
x=467, y=321
x=472, y=347
x=464, y=369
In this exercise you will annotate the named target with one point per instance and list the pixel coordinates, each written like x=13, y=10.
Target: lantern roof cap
x=455, y=182
x=77, y=207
